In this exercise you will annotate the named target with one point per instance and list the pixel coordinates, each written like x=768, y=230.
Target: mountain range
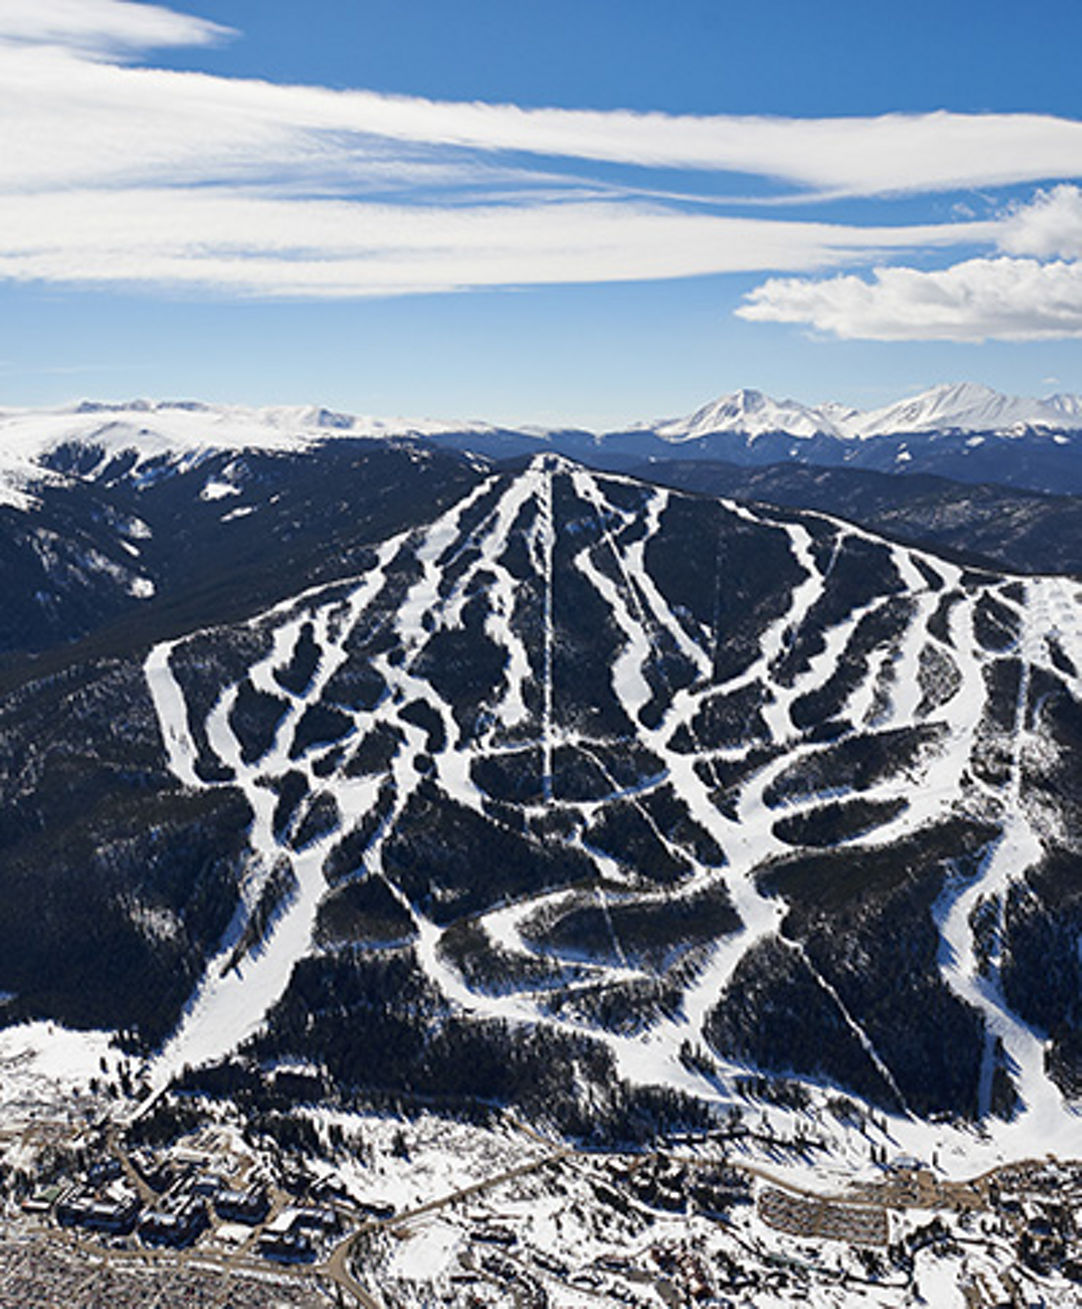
x=965, y=432
x=110, y=511
x=952, y=407
x=339, y=744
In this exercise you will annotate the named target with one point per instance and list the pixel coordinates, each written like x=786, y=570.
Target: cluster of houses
x=176, y=1219
x=112, y=1208
x=173, y=1201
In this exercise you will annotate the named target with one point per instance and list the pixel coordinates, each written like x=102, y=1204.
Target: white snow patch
x=216, y=490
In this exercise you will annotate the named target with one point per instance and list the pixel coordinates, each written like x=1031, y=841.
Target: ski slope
x=509, y=552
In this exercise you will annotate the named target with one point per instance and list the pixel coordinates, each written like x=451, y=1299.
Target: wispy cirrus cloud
x=255, y=243
x=104, y=26
x=117, y=173
x=213, y=127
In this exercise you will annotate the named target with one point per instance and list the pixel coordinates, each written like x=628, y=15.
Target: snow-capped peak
x=968, y=407
x=752, y=413
x=1069, y=406
x=953, y=406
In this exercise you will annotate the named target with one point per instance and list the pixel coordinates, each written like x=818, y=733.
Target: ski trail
x=172, y=712
x=231, y=1006
x=231, y=1003
x=634, y=565
x=628, y=678
x=858, y=708
x=857, y=1030
x=905, y=665
x=747, y=841
x=423, y=597
x=1017, y=849
x=455, y=564
x=547, y=543
x=511, y=710
x=780, y=634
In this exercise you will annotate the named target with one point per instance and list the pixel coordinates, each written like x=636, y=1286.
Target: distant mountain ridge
x=31, y=435
x=963, y=432
x=951, y=407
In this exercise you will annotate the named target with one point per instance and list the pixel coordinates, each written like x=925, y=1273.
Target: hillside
x=574, y=770
x=1016, y=530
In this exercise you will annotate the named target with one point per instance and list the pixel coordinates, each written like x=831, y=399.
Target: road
x=336, y=1268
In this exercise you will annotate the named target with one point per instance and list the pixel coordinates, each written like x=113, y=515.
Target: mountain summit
x=950, y=407
x=753, y=413
x=556, y=789
x=970, y=407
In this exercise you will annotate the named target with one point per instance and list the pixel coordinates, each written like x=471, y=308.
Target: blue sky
x=584, y=212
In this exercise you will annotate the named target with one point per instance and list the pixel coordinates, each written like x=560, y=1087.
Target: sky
x=586, y=213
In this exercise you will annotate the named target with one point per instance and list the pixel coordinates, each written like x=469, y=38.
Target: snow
x=423, y=1253
x=13, y=494
x=956, y=406
x=1018, y=849
x=234, y=998
x=967, y=406
x=584, y=1252
x=472, y=536
x=172, y=711
x=43, y=1065
x=545, y=543
x=184, y=434
x=753, y=414
x=216, y=490
x=180, y=436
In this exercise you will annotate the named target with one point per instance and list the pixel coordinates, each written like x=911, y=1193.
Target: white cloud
x=254, y=243
x=92, y=119
x=981, y=299
x=1049, y=227
x=124, y=174
x=1035, y=295
x=102, y=26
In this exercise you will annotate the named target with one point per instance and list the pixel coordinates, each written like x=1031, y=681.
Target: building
x=178, y=1225
x=287, y=1247
x=114, y=1210
x=250, y=1206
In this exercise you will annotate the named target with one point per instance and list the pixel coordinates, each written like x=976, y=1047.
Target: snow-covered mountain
x=957, y=430
x=98, y=498
x=189, y=430
x=338, y=763
x=753, y=414
x=102, y=514
x=967, y=407
x=952, y=407
x=964, y=431
x=130, y=437
x=544, y=769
